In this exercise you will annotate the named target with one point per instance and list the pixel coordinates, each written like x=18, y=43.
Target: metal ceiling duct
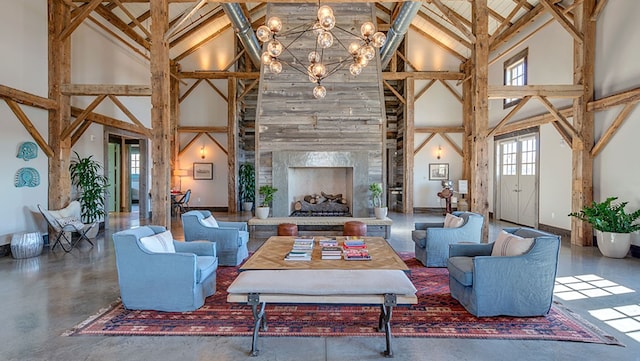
x=397, y=30
x=242, y=26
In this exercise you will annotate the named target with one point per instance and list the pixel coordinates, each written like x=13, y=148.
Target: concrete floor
x=44, y=296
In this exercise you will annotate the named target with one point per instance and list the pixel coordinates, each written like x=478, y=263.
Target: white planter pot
x=380, y=212
x=614, y=245
x=247, y=206
x=262, y=212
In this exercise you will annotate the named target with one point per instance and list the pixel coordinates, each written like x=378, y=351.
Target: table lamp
x=180, y=173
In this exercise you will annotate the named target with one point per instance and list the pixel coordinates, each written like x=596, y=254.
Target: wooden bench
x=386, y=288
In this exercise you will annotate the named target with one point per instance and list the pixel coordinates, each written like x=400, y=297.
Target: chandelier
x=359, y=52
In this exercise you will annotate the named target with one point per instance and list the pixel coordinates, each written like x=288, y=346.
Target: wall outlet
x=198, y=199
x=553, y=215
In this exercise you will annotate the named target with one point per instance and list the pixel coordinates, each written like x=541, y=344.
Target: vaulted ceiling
x=193, y=24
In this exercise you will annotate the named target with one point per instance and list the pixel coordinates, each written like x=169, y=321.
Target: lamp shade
x=180, y=172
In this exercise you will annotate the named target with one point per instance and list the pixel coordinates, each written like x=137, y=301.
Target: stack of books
x=355, y=250
x=301, y=250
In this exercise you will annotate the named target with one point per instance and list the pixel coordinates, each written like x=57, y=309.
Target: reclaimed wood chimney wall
x=350, y=118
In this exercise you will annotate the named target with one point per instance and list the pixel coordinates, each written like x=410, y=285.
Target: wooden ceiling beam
x=551, y=91
x=192, y=129
x=108, y=121
x=86, y=10
x=112, y=19
x=613, y=128
x=507, y=117
x=425, y=35
x=525, y=20
x=444, y=29
x=455, y=20
x=562, y=20
x=201, y=43
x=203, y=24
x=439, y=129
x=25, y=98
x=28, y=125
x=105, y=89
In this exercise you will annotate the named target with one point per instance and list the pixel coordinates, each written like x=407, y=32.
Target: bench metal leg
x=259, y=318
x=384, y=324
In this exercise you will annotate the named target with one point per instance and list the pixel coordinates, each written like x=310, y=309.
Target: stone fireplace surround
x=358, y=161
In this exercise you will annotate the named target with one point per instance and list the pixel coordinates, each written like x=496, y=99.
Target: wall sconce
x=202, y=152
x=180, y=173
x=439, y=152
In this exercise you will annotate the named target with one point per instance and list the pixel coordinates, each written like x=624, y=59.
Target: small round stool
x=287, y=229
x=355, y=228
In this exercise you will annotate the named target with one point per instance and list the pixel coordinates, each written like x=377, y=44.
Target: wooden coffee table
x=272, y=253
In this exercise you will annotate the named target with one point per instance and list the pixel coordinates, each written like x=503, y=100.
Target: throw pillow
x=508, y=244
x=451, y=221
x=210, y=222
x=73, y=221
x=159, y=243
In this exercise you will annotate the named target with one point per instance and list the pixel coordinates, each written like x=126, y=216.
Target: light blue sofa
x=231, y=238
x=508, y=285
x=175, y=282
x=432, y=240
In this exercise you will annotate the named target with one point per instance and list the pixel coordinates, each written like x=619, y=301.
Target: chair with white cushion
x=231, y=238
x=432, y=240
x=513, y=276
x=155, y=272
x=65, y=222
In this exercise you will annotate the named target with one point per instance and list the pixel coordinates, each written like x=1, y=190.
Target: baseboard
x=554, y=230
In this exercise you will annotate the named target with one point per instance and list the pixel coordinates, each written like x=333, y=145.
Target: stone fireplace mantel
x=358, y=161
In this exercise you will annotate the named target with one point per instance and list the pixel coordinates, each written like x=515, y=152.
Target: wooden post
x=160, y=115
x=232, y=143
x=467, y=123
x=174, y=111
x=59, y=118
x=409, y=130
x=480, y=149
x=583, y=74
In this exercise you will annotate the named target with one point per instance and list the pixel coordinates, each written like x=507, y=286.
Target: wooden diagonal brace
x=22, y=117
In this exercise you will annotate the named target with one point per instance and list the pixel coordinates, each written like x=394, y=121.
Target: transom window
x=515, y=74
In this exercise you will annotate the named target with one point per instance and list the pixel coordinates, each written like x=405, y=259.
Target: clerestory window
x=515, y=74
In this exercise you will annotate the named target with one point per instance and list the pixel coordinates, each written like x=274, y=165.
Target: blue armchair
x=432, y=240
x=175, y=282
x=519, y=286
x=231, y=238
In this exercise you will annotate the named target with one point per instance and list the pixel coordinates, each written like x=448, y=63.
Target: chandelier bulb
x=314, y=57
x=274, y=24
x=325, y=40
x=355, y=69
x=275, y=67
x=319, y=92
x=324, y=10
x=275, y=48
x=354, y=47
x=378, y=39
x=367, y=29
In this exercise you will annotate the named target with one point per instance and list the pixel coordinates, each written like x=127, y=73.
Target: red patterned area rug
x=437, y=314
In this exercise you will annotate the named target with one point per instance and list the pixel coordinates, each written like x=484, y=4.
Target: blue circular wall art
x=27, y=177
x=28, y=150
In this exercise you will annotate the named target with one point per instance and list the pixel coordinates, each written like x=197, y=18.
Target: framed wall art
x=438, y=171
x=202, y=171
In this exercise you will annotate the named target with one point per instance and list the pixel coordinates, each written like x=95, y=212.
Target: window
x=135, y=163
x=515, y=73
x=509, y=158
x=528, y=154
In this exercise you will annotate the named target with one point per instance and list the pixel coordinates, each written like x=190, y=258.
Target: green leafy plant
x=247, y=182
x=376, y=194
x=267, y=192
x=608, y=216
x=88, y=178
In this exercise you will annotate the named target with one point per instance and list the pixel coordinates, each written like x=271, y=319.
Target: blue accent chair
x=175, y=282
x=520, y=286
x=231, y=238
x=432, y=240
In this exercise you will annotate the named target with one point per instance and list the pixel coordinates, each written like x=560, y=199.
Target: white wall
x=23, y=66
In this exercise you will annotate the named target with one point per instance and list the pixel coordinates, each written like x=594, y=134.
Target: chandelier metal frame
x=359, y=52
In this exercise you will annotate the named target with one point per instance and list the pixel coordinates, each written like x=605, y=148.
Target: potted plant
x=376, y=198
x=91, y=185
x=612, y=224
x=247, y=183
x=267, y=192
